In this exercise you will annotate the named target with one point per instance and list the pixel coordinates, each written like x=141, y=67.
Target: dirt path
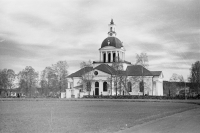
x=185, y=122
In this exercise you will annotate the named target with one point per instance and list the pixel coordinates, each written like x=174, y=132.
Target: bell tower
x=111, y=29
x=112, y=49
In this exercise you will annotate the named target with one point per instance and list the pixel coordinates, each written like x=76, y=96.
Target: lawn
x=80, y=116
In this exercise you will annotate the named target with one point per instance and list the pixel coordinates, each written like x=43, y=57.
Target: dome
x=112, y=41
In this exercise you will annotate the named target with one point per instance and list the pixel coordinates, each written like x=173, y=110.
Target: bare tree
x=142, y=60
x=176, y=81
x=176, y=78
x=120, y=77
x=87, y=76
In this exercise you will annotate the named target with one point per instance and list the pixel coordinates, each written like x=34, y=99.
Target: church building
x=113, y=75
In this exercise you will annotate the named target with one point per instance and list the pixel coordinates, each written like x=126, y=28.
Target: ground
x=74, y=116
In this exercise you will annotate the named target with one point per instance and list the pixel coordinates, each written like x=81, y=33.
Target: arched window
x=104, y=57
x=114, y=56
x=96, y=88
x=141, y=86
x=109, y=57
x=129, y=87
x=96, y=84
x=105, y=86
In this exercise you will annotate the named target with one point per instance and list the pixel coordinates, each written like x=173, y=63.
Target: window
x=129, y=87
x=96, y=84
x=109, y=57
x=88, y=86
x=104, y=57
x=95, y=72
x=105, y=86
x=141, y=86
x=114, y=56
x=96, y=88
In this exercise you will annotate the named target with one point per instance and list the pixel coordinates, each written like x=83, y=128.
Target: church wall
x=101, y=77
x=158, y=86
x=135, y=82
x=76, y=81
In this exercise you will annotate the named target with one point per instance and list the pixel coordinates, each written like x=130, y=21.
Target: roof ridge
x=109, y=68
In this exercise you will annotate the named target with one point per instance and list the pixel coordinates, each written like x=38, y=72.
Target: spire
x=111, y=29
x=111, y=21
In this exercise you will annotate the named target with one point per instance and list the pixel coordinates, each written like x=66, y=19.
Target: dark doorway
x=96, y=88
x=96, y=91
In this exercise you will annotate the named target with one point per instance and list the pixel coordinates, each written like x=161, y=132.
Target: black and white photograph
x=99, y=66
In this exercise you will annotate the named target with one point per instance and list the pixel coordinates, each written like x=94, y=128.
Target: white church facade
x=104, y=79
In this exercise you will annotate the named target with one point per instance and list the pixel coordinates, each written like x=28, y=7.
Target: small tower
x=111, y=29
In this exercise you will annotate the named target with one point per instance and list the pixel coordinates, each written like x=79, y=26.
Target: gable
x=101, y=73
x=106, y=69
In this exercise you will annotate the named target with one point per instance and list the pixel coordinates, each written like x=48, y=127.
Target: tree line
x=53, y=79
x=50, y=82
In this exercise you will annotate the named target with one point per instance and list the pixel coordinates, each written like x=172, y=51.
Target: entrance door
x=96, y=88
x=96, y=91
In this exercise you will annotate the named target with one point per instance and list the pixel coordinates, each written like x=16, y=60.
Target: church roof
x=112, y=41
x=78, y=87
x=136, y=70
x=105, y=68
x=80, y=72
x=156, y=73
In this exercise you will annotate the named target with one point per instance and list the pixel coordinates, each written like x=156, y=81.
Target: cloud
x=40, y=33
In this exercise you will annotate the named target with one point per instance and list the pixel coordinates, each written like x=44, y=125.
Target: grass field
x=33, y=116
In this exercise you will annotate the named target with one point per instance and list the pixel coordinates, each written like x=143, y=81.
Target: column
x=111, y=56
x=106, y=56
x=118, y=56
x=101, y=56
x=115, y=56
x=123, y=55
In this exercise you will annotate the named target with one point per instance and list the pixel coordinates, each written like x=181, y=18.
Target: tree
x=176, y=81
x=11, y=78
x=61, y=72
x=142, y=60
x=176, y=78
x=7, y=77
x=27, y=80
x=195, y=75
x=46, y=81
x=54, y=78
x=119, y=77
x=87, y=75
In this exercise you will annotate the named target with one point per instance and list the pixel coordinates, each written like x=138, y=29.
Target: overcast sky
x=39, y=33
